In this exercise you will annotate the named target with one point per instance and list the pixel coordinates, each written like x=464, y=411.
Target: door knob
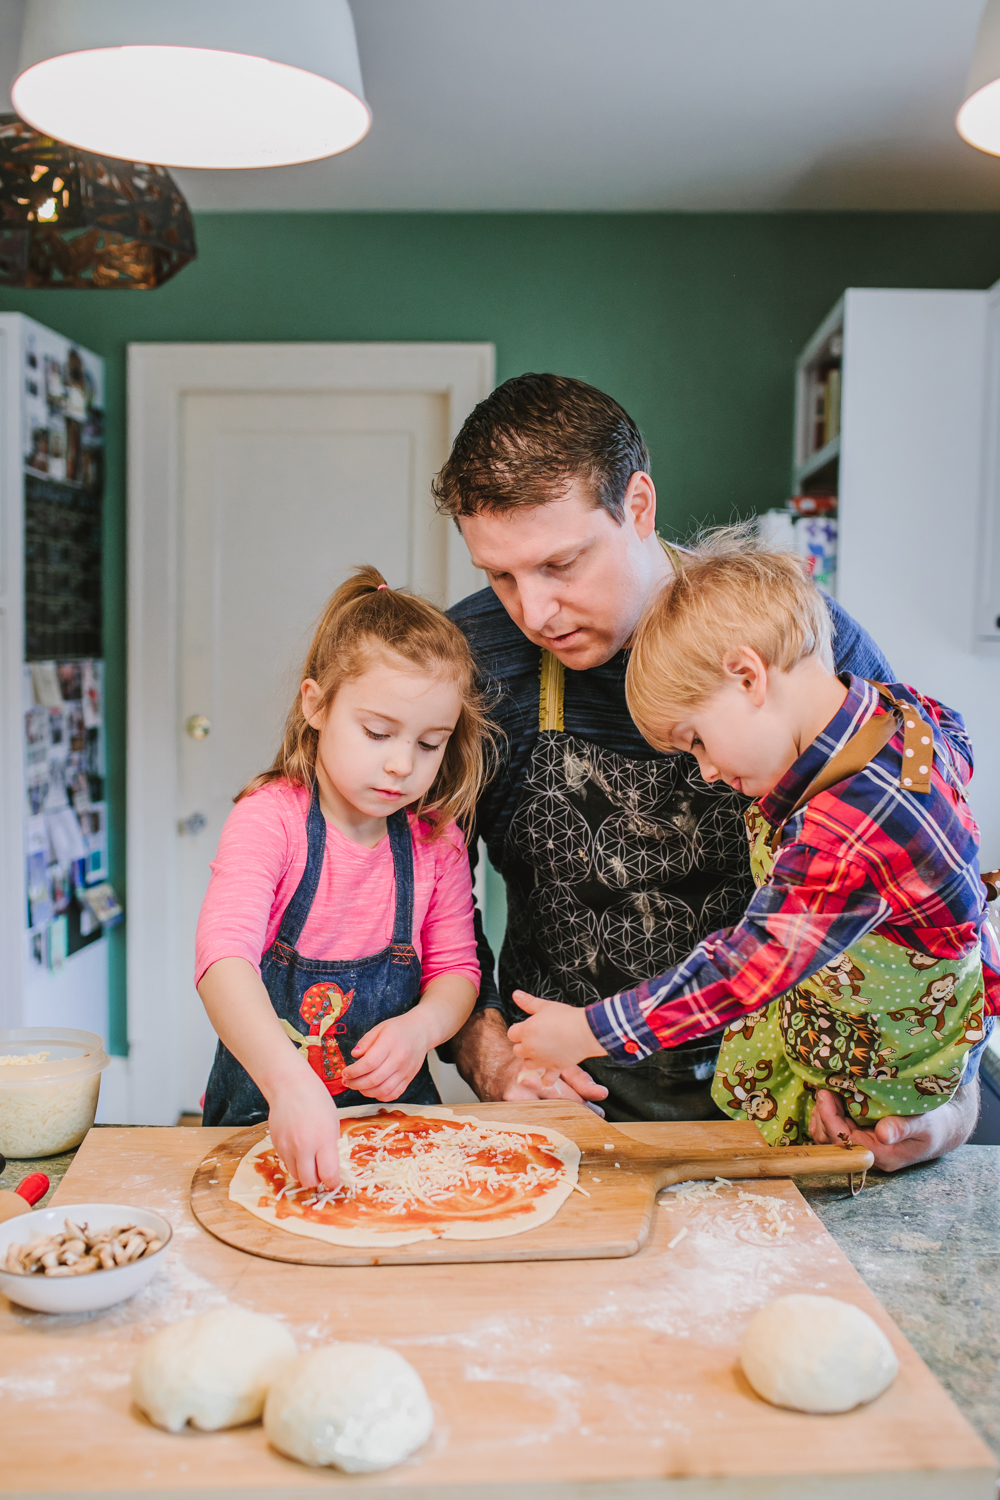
x=192, y=824
x=198, y=727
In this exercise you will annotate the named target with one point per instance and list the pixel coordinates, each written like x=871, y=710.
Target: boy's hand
x=305, y=1129
x=389, y=1056
x=553, y=1037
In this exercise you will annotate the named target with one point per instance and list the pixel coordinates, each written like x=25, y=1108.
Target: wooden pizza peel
x=612, y=1221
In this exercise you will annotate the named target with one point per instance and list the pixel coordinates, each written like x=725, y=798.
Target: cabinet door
x=988, y=582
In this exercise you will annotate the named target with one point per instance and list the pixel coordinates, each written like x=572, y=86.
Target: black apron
x=598, y=836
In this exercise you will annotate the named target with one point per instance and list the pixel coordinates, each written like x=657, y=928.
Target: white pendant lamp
x=194, y=83
x=978, y=120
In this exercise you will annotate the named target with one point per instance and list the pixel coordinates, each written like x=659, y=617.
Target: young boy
x=859, y=965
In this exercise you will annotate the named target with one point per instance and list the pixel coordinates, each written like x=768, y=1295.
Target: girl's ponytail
x=363, y=616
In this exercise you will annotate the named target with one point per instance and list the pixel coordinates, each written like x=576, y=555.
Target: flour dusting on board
x=562, y=1391
x=741, y=1249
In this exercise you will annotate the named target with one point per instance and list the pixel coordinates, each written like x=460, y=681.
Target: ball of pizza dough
x=211, y=1371
x=358, y=1407
x=816, y=1354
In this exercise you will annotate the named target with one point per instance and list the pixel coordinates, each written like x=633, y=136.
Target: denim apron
x=326, y=1005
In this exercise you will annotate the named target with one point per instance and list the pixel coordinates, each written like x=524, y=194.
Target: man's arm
x=485, y=1059
x=900, y=1140
x=853, y=648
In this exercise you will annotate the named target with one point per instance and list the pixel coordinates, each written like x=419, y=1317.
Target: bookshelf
x=818, y=403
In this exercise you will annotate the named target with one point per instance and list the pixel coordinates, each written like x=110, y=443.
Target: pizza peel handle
x=747, y=1161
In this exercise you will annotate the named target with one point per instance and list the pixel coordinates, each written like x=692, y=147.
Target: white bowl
x=94, y=1289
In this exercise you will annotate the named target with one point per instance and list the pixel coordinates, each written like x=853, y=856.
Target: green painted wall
x=691, y=320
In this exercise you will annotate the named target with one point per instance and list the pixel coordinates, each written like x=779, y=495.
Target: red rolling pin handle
x=33, y=1188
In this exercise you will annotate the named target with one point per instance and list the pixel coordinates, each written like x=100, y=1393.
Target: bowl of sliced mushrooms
x=81, y=1256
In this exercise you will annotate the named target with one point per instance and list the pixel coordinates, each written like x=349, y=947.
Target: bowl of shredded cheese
x=50, y=1078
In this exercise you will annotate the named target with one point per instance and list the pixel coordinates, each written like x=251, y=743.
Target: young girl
x=335, y=945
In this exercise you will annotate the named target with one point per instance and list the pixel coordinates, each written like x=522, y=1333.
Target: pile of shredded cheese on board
x=764, y=1211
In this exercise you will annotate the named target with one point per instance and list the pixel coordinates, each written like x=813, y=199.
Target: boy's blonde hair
x=362, y=620
x=728, y=593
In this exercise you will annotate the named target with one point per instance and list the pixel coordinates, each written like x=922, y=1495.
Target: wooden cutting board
x=550, y=1380
x=611, y=1221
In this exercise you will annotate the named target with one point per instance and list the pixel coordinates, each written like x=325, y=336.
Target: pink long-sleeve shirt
x=260, y=860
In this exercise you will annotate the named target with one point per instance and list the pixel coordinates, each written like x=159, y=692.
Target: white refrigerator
x=55, y=900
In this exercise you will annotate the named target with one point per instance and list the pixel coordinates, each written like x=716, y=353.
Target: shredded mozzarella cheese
x=761, y=1209
x=432, y=1169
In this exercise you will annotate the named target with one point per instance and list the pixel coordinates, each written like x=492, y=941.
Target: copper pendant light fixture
x=69, y=218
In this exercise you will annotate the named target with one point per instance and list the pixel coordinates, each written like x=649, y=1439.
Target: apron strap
x=294, y=917
x=865, y=744
x=551, y=693
x=675, y=554
x=401, y=844
x=553, y=674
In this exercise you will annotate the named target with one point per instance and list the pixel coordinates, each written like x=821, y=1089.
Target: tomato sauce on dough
x=500, y=1180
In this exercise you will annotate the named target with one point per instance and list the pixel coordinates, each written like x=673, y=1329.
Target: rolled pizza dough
x=357, y=1407
x=212, y=1371
x=816, y=1354
x=251, y=1189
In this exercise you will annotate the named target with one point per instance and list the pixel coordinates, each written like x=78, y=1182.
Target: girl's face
x=382, y=739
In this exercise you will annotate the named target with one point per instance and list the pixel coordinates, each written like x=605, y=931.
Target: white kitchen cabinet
x=919, y=501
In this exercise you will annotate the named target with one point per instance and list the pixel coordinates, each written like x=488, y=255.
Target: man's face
x=569, y=576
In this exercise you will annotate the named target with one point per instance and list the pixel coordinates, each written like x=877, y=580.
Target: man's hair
x=530, y=439
x=728, y=594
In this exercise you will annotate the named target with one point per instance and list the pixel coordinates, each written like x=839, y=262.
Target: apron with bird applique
x=326, y=1005
x=885, y=1027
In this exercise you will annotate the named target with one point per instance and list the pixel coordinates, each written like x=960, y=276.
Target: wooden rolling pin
x=23, y=1199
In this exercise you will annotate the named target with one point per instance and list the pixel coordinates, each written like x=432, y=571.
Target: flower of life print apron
x=885, y=1027
x=326, y=1004
x=625, y=866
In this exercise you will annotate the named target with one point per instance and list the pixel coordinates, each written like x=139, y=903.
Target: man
x=617, y=860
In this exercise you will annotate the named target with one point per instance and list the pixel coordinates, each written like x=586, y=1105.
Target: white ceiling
x=641, y=105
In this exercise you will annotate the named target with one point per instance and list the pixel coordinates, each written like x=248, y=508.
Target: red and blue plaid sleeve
x=813, y=906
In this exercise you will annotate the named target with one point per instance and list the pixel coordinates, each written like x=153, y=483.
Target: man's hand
x=389, y=1056
x=900, y=1140
x=487, y=1062
x=553, y=1036
x=305, y=1129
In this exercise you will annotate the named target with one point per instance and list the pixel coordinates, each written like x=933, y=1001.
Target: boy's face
x=743, y=734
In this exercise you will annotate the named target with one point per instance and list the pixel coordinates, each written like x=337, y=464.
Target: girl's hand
x=305, y=1129
x=389, y=1056
x=554, y=1036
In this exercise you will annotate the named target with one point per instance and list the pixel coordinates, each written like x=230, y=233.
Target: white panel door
x=280, y=496
x=258, y=475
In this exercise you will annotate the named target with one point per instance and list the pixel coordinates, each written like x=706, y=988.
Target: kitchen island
x=568, y=1378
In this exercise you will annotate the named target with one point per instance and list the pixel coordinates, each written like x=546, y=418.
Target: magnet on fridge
x=45, y=684
x=58, y=943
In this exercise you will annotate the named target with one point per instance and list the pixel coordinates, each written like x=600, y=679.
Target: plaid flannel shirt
x=863, y=856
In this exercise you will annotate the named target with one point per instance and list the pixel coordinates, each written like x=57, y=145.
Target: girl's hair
x=729, y=593
x=362, y=619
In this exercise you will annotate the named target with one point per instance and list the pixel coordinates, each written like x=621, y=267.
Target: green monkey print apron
x=885, y=1027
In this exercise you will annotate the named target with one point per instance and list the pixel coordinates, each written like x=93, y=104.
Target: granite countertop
x=926, y=1240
